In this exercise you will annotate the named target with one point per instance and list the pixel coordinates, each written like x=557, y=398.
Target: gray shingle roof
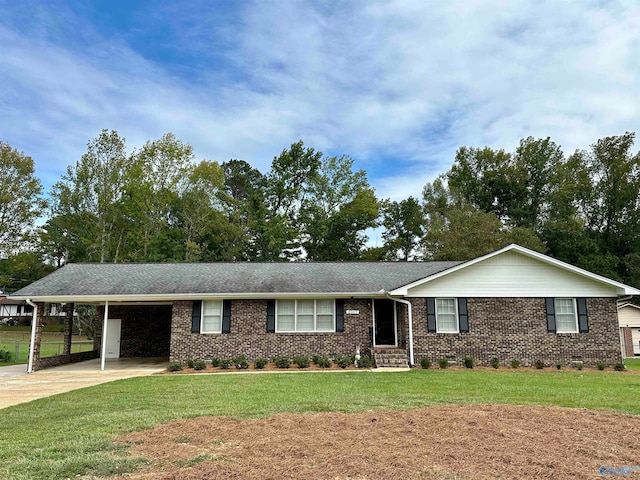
x=221, y=278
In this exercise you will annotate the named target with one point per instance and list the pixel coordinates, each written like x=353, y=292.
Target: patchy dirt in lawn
x=446, y=442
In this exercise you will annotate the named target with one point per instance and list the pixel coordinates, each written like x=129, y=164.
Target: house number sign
x=353, y=312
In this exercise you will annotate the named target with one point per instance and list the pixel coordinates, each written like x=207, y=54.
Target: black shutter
x=463, y=315
x=339, y=315
x=196, y=314
x=226, y=316
x=271, y=316
x=583, y=319
x=431, y=315
x=551, y=315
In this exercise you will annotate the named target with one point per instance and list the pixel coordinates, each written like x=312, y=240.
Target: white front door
x=113, y=338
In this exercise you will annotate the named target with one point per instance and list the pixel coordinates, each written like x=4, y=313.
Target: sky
x=398, y=86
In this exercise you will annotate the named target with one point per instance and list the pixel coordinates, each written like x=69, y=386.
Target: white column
x=103, y=350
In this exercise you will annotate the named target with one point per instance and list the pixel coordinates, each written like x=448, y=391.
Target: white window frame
x=457, y=319
x=575, y=315
x=315, y=316
x=202, y=310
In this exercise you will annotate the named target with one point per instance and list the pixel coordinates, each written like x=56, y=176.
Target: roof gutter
x=410, y=315
x=33, y=334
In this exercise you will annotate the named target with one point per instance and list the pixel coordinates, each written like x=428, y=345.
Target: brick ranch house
x=513, y=303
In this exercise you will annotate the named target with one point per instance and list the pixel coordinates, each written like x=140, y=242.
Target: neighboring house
x=629, y=320
x=13, y=311
x=513, y=303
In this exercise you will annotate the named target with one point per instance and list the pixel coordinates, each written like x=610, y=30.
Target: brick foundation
x=249, y=337
x=516, y=328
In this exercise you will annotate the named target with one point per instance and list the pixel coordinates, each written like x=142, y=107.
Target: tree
x=20, y=198
x=404, y=228
x=338, y=207
x=87, y=201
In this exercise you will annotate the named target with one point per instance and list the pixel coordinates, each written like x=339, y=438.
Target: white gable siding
x=512, y=274
x=629, y=316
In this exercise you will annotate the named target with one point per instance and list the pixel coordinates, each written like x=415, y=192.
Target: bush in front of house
x=601, y=365
x=281, y=362
x=495, y=363
x=260, y=363
x=241, y=362
x=468, y=362
x=539, y=364
x=425, y=363
x=443, y=363
x=302, y=362
x=515, y=363
x=365, y=362
x=215, y=362
x=174, y=367
x=225, y=363
x=198, y=365
x=619, y=367
x=191, y=362
x=321, y=361
x=342, y=361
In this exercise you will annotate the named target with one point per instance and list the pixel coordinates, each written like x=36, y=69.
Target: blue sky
x=396, y=85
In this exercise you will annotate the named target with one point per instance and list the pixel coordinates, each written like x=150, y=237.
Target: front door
x=113, y=338
x=385, y=319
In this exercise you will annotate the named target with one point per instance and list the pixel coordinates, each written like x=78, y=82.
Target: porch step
x=390, y=357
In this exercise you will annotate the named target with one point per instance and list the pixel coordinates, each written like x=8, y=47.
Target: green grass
x=51, y=343
x=632, y=363
x=71, y=434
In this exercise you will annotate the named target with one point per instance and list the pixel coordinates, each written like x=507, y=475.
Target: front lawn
x=632, y=363
x=71, y=434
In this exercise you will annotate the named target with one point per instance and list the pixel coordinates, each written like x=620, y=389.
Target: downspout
x=410, y=315
x=33, y=334
x=620, y=301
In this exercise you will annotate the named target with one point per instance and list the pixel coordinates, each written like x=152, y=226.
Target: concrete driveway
x=17, y=386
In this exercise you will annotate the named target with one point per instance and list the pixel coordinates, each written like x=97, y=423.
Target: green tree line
x=159, y=204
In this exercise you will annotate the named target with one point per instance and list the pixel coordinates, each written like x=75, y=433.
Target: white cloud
x=397, y=85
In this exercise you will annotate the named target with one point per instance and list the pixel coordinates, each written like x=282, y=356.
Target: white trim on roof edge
x=625, y=289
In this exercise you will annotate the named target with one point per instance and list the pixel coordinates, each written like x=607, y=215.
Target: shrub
x=579, y=365
x=190, y=363
x=321, y=361
x=342, y=362
x=539, y=364
x=174, y=367
x=425, y=363
x=215, y=362
x=601, y=365
x=443, y=363
x=241, y=362
x=260, y=363
x=365, y=362
x=619, y=367
x=468, y=362
x=515, y=363
x=199, y=365
x=495, y=363
x=5, y=355
x=281, y=362
x=225, y=363
x=558, y=366
x=302, y=362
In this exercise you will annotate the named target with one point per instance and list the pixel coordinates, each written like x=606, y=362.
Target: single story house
x=513, y=303
x=629, y=321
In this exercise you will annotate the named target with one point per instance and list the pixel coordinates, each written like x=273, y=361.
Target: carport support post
x=103, y=350
x=68, y=327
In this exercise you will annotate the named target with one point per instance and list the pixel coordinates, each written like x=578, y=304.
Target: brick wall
x=249, y=335
x=627, y=339
x=516, y=328
x=145, y=330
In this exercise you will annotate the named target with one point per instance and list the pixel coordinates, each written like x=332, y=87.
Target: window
x=211, y=316
x=305, y=316
x=446, y=315
x=566, y=318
